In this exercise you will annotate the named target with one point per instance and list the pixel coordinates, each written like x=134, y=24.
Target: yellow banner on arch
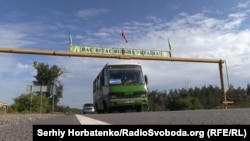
x=119, y=51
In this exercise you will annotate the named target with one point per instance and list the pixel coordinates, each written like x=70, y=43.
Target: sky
x=211, y=29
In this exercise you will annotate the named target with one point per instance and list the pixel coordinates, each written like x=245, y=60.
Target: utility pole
x=41, y=98
x=29, y=90
x=53, y=90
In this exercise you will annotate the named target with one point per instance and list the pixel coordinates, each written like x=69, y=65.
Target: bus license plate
x=130, y=101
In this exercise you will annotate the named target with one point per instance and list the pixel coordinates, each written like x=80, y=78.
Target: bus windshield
x=125, y=74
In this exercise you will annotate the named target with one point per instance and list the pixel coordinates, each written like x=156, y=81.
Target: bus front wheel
x=106, y=108
x=138, y=108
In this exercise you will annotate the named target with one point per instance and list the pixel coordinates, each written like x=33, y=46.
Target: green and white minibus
x=120, y=87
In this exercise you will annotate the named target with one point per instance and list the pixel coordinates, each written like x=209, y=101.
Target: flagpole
x=124, y=36
x=170, y=49
x=70, y=40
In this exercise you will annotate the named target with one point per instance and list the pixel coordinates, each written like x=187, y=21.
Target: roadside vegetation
x=40, y=101
x=206, y=97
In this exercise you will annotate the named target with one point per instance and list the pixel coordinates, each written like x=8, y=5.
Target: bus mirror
x=146, y=79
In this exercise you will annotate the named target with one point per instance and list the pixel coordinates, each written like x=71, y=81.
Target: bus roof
x=123, y=63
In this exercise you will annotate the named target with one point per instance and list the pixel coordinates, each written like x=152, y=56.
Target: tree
x=248, y=89
x=157, y=100
x=22, y=104
x=49, y=76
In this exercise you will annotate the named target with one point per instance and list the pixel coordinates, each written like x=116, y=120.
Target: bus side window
x=94, y=86
x=102, y=78
x=98, y=83
x=105, y=77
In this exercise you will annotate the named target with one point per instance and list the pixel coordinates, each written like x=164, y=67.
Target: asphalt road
x=193, y=117
x=23, y=131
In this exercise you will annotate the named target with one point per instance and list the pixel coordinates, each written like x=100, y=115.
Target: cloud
x=89, y=13
x=244, y=4
x=13, y=37
x=22, y=66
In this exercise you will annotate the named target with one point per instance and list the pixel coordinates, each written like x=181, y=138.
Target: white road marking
x=88, y=121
